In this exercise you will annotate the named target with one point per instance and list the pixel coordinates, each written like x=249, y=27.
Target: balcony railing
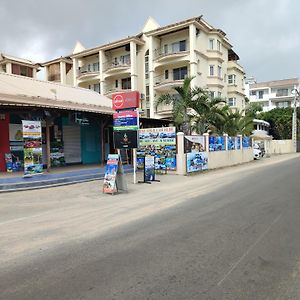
x=282, y=94
x=112, y=89
x=161, y=52
x=116, y=64
x=171, y=78
x=86, y=69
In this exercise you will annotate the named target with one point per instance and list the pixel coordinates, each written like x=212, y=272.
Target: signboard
x=126, y=120
x=32, y=136
x=114, y=175
x=246, y=142
x=216, y=143
x=15, y=133
x=231, y=143
x=237, y=143
x=194, y=143
x=160, y=142
x=125, y=100
x=149, y=169
x=196, y=161
x=125, y=139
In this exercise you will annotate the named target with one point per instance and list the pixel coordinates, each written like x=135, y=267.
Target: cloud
x=263, y=32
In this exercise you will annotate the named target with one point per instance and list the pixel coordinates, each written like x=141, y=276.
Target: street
x=225, y=234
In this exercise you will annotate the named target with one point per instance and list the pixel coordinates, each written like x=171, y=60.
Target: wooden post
x=48, y=144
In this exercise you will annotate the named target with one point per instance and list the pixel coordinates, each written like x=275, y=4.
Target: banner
x=194, y=143
x=246, y=142
x=196, y=161
x=160, y=142
x=32, y=136
x=231, y=143
x=216, y=143
x=237, y=143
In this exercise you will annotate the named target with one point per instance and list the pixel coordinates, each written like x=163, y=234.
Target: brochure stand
x=114, y=179
x=149, y=169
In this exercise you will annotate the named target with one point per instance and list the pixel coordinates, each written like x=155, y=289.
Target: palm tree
x=181, y=102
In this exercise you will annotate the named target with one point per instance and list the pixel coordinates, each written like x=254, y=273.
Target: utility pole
x=294, y=122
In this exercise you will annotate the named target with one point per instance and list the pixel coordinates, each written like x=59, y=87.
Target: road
x=227, y=234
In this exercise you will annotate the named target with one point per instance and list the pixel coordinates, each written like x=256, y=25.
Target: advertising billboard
x=196, y=161
x=125, y=100
x=216, y=143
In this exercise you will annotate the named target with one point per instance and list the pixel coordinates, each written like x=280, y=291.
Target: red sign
x=125, y=100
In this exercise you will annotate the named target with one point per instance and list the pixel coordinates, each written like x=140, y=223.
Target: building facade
x=18, y=66
x=154, y=62
x=272, y=94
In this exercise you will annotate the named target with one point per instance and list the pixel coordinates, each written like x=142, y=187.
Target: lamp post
x=294, y=124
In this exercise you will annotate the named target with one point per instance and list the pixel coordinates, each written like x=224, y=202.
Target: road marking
x=249, y=249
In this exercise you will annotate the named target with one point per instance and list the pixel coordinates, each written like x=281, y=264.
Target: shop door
x=90, y=142
x=72, y=144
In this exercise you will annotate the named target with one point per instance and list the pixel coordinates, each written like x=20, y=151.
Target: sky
x=264, y=33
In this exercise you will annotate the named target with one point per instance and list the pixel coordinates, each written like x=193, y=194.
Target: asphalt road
x=239, y=241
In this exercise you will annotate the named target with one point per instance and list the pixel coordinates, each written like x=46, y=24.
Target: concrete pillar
x=8, y=68
x=180, y=157
x=225, y=135
x=193, y=57
x=151, y=77
x=75, y=70
x=206, y=139
x=239, y=136
x=101, y=71
x=133, y=66
x=46, y=73
x=34, y=73
x=63, y=72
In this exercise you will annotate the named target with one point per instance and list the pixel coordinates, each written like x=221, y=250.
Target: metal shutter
x=72, y=144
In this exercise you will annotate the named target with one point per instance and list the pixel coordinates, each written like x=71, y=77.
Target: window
x=165, y=49
x=232, y=101
x=219, y=71
x=147, y=64
x=253, y=93
x=225, y=78
x=166, y=74
x=218, y=45
x=179, y=46
x=97, y=87
x=89, y=68
x=231, y=79
x=126, y=83
x=219, y=94
x=211, y=44
x=282, y=92
x=116, y=83
x=179, y=73
x=212, y=94
x=96, y=67
x=260, y=94
x=283, y=104
x=211, y=70
x=125, y=59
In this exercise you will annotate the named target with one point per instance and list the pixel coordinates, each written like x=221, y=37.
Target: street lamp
x=294, y=130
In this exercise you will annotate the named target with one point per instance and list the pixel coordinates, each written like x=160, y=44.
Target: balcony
x=164, y=110
x=87, y=71
x=109, y=90
x=169, y=52
x=116, y=66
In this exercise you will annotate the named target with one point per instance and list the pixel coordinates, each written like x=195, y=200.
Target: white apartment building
x=272, y=94
x=156, y=60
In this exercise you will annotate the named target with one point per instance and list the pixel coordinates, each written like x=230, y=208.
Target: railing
x=90, y=68
x=116, y=64
x=112, y=89
x=160, y=52
x=172, y=78
x=282, y=93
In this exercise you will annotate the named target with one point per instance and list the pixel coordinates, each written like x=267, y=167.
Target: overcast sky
x=265, y=33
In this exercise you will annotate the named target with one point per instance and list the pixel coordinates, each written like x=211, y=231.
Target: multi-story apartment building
x=155, y=61
x=272, y=94
x=18, y=66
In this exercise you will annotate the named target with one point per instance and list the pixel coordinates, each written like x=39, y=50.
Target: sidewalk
x=10, y=182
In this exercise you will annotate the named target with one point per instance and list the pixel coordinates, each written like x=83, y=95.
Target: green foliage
x=280, y=120
x=194, y=109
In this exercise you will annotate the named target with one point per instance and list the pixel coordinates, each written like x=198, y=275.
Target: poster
x=160, y=142
x=216, y=143
x=194, y=143
x=196, y=161
x=246, y=142
x=237, y=143
x=126, y=120
x=32, y=136
x=231, y=143
x=149, y=170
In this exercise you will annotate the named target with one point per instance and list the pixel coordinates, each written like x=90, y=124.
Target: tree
x=181, y=102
